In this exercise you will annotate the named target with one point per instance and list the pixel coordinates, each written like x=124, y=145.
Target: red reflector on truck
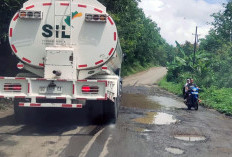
x=47, y=4
x=41, y=64
x=98, y=10
x=82, y=66
x=111, y=51
x=99, y=62
x=16, y=17
x=112, y=23
x=29, y=7
x=26, y=60
x=115, y=36
x=90, y=89
x=35, y=105
x=12, y=87
x=14, y=48
x=64, y=4
x=82, y=6
x=67, y=105
x=11, y=32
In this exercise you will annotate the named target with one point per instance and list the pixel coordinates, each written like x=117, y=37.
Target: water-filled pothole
x=167, y=102
x=175, y=151
x=190, y=138
x=138, y=129
x=139, y=101
x=157, y=118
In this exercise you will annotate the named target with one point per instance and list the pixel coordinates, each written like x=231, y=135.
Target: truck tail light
x=12, y=87
x=25, y=14
x=37, y=14
x=29, y=14
x=102, y=17
x=22, y=14
x=88, y=17
x=95, y=17
x=90, y=89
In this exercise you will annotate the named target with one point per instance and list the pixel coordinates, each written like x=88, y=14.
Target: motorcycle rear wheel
x=196, y=105
x=189, y=106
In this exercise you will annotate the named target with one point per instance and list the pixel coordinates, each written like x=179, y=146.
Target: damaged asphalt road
x=152, y=122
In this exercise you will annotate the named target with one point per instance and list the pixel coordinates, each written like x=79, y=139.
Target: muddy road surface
x=152, y=122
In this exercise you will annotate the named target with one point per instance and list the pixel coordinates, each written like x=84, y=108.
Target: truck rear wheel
x=110, y=110
x=24, y=114
x=19, y=112
x=95, y=110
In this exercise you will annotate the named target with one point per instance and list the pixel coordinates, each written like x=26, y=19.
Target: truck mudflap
x=36, y=89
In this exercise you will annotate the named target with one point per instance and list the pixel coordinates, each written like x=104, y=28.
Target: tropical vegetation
x=140, y=38
x=212, y=69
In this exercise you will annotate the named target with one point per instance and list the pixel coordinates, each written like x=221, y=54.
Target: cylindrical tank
x=82, y=25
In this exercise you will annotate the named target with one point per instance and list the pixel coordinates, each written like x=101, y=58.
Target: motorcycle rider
x=189, y=86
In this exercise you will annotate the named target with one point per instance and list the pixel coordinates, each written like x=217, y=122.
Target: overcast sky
x=178, y=18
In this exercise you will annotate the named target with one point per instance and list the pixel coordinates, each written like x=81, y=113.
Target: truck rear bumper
x=55, y=105
x=70, y=90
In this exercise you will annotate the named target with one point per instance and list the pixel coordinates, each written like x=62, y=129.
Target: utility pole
x=195, y=46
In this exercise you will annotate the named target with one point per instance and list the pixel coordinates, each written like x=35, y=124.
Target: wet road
x=152, y=122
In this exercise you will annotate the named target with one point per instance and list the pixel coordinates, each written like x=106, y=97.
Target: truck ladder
x=63, y=17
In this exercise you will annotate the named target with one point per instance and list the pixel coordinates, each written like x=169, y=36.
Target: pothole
x=157, y=118
x=138, y=129
x=175, y=151
x=167, y=102
x=139, y=101
x=190, y=138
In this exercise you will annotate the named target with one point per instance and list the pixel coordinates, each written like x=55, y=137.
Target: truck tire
x=110, y=110
x=95, y=111
x=19, y=112
x=24, y=114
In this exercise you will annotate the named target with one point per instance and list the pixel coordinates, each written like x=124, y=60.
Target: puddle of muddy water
x=167, y=102
x=139, y=101
x=175, y=151
x=190, y=138
x=137, y=129
x=156, y=118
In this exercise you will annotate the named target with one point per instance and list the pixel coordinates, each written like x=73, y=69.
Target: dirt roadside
x=148, y=77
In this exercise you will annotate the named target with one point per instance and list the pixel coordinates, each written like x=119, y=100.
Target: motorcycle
x=193, y=98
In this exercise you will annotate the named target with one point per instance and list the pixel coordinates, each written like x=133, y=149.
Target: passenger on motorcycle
x=185, y=88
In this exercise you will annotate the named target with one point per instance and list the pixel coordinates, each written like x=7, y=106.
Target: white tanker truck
x=71, y=53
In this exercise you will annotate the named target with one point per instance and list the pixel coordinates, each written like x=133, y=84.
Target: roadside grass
x=218, y=99
x=170, y=86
